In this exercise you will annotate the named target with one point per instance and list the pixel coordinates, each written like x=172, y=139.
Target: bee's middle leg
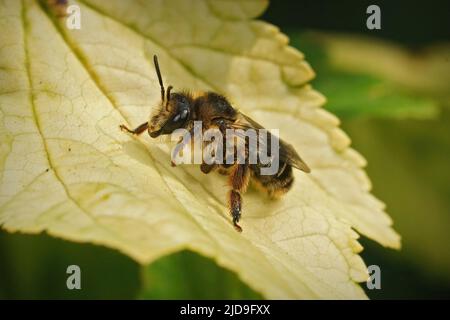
x=207, y=168
x=238, y=180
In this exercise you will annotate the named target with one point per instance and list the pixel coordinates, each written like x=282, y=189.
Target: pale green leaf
x=68, y=170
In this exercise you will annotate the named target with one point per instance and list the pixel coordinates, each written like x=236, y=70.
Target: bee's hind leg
x=238, y=179
x=235, y=208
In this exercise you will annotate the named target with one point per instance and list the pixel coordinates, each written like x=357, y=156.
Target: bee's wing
x=287, y=152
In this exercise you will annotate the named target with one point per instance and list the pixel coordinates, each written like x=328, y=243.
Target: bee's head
x=173, y=112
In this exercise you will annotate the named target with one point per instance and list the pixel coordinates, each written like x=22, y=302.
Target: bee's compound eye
x=183, y=114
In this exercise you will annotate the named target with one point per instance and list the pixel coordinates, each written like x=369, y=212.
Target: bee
x=180, y=109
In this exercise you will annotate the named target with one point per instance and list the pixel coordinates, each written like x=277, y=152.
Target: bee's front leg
x=182, y=142
x=176, y=150
x=238, y=179
x=136, y=131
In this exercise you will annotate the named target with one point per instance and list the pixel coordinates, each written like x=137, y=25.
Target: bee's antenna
x=158, y=72
x=169, y=88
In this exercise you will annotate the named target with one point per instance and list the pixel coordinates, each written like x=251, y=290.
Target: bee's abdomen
x=274, y=185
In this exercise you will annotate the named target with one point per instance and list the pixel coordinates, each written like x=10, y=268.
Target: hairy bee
x=180, y=110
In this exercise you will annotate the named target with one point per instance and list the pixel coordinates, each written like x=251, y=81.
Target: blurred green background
x=398, y=117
